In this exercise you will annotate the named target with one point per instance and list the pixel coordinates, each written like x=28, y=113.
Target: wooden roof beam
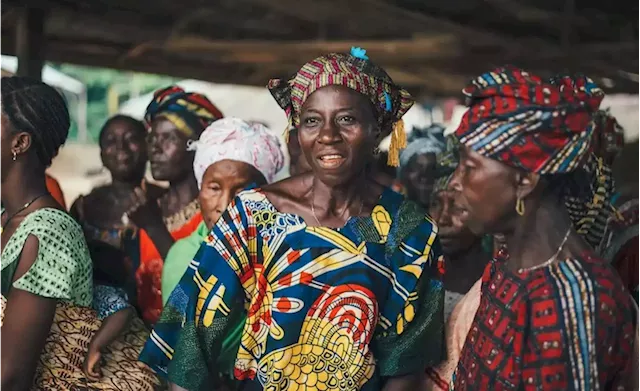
x=398, y=51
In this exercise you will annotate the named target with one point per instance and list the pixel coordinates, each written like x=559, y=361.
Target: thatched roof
x=432, y=47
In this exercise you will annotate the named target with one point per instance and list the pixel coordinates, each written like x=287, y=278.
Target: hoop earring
x=15, y=156
x=520, y=206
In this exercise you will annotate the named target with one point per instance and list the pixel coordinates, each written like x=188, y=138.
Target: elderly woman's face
x=168, y=153
x=337, y=133
x=221, y=182
x=486, y=190
x=455, y=236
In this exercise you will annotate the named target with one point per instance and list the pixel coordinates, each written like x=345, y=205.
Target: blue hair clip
x=359, y=53
x=387, y=101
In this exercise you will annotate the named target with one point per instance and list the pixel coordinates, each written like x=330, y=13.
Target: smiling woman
x=335, y=278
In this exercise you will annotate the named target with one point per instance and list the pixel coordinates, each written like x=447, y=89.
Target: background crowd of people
x=499, y=257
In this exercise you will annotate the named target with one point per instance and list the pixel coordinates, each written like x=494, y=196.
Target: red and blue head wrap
x=546, y=127
x=190, y=112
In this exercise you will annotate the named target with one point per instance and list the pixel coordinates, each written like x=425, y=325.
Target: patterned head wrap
x=354, y=71
x=447, y=162
x=235, y=139
x=421, y=141
x=608, y=134
x=544, y=127
x=190, y=112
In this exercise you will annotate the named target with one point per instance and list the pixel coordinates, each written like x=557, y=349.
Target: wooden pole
x=30, y=42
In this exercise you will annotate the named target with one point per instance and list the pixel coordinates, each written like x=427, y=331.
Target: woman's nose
x=454, y=183
x=329, y=133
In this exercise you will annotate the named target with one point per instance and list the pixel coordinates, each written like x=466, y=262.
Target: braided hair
x=137, y=125
x=36, y=108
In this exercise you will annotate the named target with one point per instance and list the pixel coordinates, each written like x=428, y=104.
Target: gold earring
x=15, y=155
x=520, y=206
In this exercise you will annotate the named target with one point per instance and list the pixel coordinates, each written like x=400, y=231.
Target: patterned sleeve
x=206, y=305
x=107, y=300
x=62, y=269
x=414, y=337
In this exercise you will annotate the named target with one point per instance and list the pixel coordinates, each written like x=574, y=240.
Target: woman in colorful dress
x=231, y=155
x=101, y=213
x=337, y=280
x=552, y=316
x=175, y=119
x=46, y=265
x=45, y=260
x=418, y=166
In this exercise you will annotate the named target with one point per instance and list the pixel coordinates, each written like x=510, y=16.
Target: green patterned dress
x=63, y=270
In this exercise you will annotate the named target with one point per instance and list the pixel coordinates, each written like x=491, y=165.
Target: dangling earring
x=376, y=151
x=15, y=156
x=520, y=206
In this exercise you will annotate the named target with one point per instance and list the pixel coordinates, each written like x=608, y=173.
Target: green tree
x=98, y=82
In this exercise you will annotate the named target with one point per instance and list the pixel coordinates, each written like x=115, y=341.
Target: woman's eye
x=347, y=119
x=311, y=121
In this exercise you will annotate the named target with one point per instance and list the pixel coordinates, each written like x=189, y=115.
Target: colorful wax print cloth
x=149, y=272
x=189, y=112
x=620, y=246
x=325, y=308
x=546, y=127
x=60, y=364
x=567, y=326
x=62, y=269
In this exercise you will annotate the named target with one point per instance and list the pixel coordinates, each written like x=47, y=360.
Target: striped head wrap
x=447, y=162
x=608, y=135
x=545, y=127
x=190, y=112
x=354, y=71
x=420, y=141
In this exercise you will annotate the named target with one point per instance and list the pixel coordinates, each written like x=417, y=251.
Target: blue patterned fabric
x=339, y=308
x=107, y=300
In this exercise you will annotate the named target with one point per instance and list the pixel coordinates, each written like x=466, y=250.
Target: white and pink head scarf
x=235, y=139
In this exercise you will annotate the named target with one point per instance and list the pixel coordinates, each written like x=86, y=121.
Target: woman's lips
x=331, y=161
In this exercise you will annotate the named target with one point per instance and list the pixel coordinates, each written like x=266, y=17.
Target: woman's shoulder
x=585, y=275
x=62, y=268
x=50, y=221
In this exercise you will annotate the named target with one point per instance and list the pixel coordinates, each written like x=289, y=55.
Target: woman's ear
x=526, y=183
x=20, y=143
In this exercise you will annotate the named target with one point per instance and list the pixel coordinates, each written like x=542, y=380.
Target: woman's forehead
x=336, y=95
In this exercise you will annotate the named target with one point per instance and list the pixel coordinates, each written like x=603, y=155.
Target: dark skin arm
x=146, y=214
x=27, y=324
x=111, y=328
x=404, y=383
x=174, y=387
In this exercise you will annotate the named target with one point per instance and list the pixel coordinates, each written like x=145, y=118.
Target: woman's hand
x=146, y=214
x=92, y=363
x=145, y=211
